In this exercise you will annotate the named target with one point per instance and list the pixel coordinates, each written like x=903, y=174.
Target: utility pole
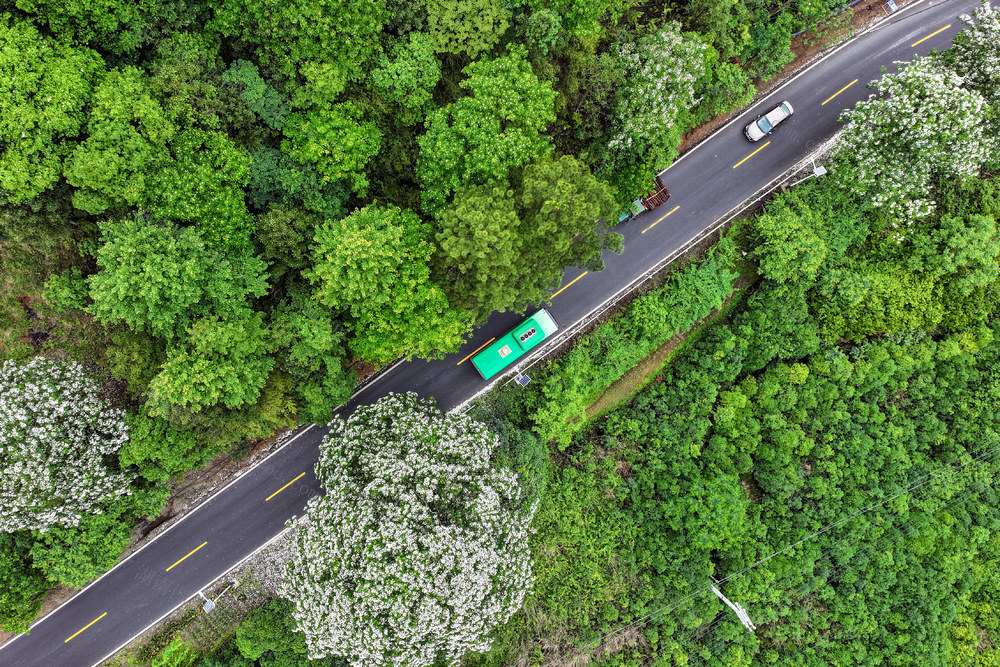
x=741, y=613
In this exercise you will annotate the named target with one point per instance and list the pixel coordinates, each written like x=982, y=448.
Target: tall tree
x=470, y=27
x=408, y=565
x=219, y=361
x=55, y=434
x=477, y=139
x=503, y=248
x=373, y=264
x=343, y=34
x=127, y=134
x=336, y=139
x=203, y=184
x=42, y=110
x=157, y=278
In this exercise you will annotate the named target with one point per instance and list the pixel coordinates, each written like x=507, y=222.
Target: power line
x=879, y=544
x=927, y=478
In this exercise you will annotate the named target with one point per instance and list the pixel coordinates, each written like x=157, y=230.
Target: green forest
x=227, y=210
x=216, y=215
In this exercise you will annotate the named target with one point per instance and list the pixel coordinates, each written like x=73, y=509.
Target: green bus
x=514, y=344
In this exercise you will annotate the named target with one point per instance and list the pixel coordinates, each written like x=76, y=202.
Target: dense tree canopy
x=42, y=110
x=158, y=277
x=374, y=265
x=477, y=139
x=503, y=248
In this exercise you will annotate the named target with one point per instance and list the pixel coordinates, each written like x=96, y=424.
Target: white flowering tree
x=55, y=434
x=420, y=545
x=660, y=71
x=923, y=122
x=975, y=55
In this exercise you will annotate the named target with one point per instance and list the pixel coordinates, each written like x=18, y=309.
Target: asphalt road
x=706, y=184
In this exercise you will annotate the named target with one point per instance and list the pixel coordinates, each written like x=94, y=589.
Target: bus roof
x=512, y=345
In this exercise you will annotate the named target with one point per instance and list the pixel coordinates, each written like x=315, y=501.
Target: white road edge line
x=771, y=93
x=188, y=599
x=467, y=401
x=656, y=268
x=153, y=541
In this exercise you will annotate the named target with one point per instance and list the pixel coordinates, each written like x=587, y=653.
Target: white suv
x=761, y=127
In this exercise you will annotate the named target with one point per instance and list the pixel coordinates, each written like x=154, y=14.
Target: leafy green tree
x=22, y=587
x=477, y=139
x=285, y=233
x=965, y=248
x=767, y=46
x=262, y=99
x=271, y=629
x=127, y=134
x=407, y=78
x=43, y=110
x=158, y=449
x=203, y=185
x=78, y=555
x=343, y=34
x=220, y=361
x=115, y=25
x=336, y=140
x=187, y=75
x=582, y=16
x=470, y=27
x=66, y=291
x=277, y=177
x=721, y=22
x=135, y=356
x=374, y=265
x=791, y=248
x=157, y=278
x=503, y=248
x=312, y=348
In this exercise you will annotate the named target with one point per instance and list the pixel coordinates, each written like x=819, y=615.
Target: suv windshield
x=764, y=124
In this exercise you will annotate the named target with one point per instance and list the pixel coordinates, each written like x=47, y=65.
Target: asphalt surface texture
x=705, y=184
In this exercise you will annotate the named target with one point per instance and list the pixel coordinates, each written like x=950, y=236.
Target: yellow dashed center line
x=660, y=220
x=85, y=627
x=839, y=91
x=568, y=284
x=751, y=155
x=271, y=496
x=476, y=350
x=930, y=35
x=182, y=559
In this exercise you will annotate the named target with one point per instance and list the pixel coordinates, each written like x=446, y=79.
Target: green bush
x=580, y=376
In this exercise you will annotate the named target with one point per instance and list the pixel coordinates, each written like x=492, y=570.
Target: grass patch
x=639, y=376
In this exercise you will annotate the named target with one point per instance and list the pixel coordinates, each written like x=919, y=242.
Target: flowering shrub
x=660, y=71
x=420, y=545
x=975, y=52
x=54, y=435
x=975, y=55
x=923, y=122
